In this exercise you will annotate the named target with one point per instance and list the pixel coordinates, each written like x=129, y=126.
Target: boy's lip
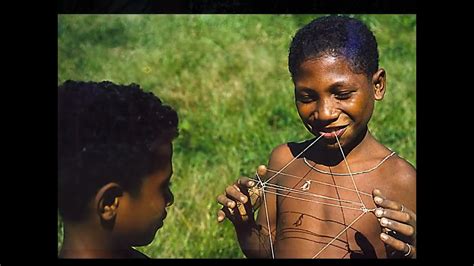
x=332, y=132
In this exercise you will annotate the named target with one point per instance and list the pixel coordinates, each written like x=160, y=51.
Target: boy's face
x=141, y=216
x=333, y=100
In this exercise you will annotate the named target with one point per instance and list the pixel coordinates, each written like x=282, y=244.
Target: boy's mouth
x=332, y=132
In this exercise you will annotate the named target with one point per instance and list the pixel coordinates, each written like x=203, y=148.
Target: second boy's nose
x=169, y=198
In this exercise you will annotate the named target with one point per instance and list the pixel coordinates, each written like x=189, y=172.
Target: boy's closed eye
x=305, y=96
x=343, y=95
x=305, y=99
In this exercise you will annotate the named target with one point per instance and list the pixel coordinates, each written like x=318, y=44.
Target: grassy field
x=227, y=77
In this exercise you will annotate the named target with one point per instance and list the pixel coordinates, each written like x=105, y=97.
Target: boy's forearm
x=254, y=241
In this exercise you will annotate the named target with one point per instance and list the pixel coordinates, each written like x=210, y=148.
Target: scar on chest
x=299, y=221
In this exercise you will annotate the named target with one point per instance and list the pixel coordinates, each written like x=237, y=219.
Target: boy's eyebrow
x=338, y=84
x=333, y=86
x=304, y=89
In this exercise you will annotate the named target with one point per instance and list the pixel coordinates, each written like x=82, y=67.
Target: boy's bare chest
x=321, y=216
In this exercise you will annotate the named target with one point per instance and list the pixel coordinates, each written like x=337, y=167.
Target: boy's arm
x=397, y=210
x=239, y=201
x=254, y=239
x=256, y=242
x=253, y=234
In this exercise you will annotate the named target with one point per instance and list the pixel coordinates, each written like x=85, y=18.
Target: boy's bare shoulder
x=284, y=153
x=401, y=171
x=280, y=155
x=400, y=181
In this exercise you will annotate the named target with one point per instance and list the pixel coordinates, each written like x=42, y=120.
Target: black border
x=236, y=6
x=40, y=241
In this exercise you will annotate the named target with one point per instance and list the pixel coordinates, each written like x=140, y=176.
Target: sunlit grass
x=227, y=77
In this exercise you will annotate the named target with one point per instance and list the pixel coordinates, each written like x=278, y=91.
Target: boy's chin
x=146, y=239
x=332, y=146
x=329, y=144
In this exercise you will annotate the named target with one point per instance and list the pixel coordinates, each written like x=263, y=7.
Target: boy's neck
x=85, y=241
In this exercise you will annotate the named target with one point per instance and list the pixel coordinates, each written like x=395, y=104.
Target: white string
x=320, y=202
x=278, y=187
x=340, y=233
x=266, y=212
x=283, y=188
x=346, y=174
x=296, y=157
x=349, y=169
x=320, y=182
x=295, y=191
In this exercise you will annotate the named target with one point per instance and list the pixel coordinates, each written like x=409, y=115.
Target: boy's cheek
x=156, y=208
x=304, y=112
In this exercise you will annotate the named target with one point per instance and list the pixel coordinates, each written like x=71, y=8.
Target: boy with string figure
x=322, y=198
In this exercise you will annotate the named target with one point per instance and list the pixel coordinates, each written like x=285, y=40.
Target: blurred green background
x=227, y=77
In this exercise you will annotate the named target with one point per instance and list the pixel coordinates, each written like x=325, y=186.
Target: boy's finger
x=381, y=201
x=393, y=242
x=235, y=194
x=220, y=215
x=225, y=201
x=398, y=245
x=388, y=204
x=403, y=217
x=246, y=182
x=262, y=170
x=377, y=193
x=402, y=228
x=242, y=211
x=229, y=213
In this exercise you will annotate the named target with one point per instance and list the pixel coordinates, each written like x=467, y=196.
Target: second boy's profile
x=114, y=166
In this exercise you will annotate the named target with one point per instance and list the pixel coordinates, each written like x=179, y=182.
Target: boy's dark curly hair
x=105, y=133
x=335, y=36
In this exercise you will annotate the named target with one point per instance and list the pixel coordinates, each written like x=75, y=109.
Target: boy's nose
x=169, y=199
x=326, y=110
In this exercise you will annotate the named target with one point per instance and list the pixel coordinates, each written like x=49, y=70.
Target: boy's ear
x=107, y=201
x=379, y=83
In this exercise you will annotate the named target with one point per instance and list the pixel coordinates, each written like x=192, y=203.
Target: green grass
x=227, y=77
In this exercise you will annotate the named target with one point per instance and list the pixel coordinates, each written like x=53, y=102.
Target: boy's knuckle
x=406, y=217
x=411, y=231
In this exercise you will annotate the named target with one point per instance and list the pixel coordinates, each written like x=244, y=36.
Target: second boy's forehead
x=327, y=71
x=162, y=148
x=163, y=154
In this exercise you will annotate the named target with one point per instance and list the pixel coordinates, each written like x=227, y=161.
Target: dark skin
x=332, y=100
x=118, y=220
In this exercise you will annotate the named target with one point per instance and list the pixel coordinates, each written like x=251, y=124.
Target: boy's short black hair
x=335, y=36
x=105, y=134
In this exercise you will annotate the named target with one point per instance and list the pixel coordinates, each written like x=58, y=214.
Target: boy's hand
x=240, y=200
x=398, y=224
